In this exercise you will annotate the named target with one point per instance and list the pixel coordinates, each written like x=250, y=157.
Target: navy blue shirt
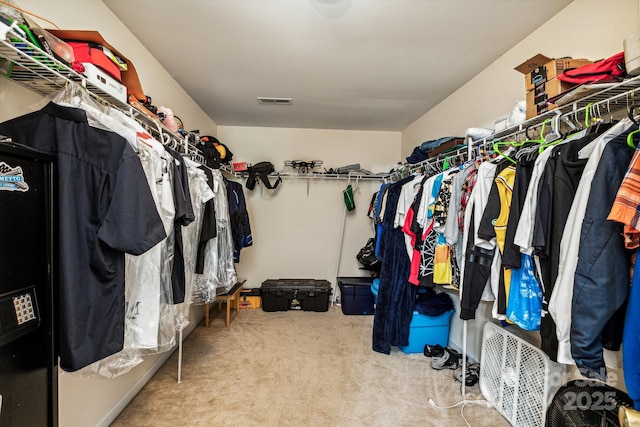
x=105, y=208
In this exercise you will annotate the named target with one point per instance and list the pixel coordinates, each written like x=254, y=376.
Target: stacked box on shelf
x=541, y=82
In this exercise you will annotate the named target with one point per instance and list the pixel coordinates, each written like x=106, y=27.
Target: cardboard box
x=540, y=69
x=129, y=78
x=538, y=98
x=249, y=301
x=105, y=83
x=250, y=298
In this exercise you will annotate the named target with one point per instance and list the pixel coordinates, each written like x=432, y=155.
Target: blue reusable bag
x=524, y=306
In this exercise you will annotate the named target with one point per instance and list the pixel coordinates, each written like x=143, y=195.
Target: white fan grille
x=515, y=377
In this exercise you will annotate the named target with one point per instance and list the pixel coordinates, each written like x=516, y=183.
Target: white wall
x=156, y=81
x=296, y=228
x=82, y=401
x=590, y=29
x=298, y=234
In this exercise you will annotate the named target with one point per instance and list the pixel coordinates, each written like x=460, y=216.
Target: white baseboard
x=149, y=373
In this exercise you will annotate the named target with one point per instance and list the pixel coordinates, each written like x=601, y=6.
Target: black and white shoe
x=472, y=374
x=433, y=350
x=450, y=359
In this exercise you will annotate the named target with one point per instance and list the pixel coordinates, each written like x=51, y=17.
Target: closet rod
x=318, y=176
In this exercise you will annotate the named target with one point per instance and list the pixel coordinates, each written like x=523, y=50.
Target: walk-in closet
x=319, y=212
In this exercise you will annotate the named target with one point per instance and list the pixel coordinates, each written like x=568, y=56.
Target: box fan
x=517, y=378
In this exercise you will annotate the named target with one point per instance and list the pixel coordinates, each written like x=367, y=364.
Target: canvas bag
x=607, y=70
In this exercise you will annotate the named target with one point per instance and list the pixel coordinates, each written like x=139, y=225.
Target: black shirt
x=105, y=209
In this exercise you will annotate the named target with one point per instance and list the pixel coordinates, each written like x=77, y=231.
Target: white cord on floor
x=463, y=403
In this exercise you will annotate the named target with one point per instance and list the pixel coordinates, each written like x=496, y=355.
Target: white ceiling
x=347, y=64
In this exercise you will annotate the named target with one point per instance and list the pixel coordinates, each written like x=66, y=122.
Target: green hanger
x=630, y=138
x=630, y=113
x=498, y=143
x=553, y=137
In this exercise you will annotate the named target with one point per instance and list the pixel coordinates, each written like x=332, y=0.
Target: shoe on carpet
x=472, y=374
x=433, y=350
x=450, y=359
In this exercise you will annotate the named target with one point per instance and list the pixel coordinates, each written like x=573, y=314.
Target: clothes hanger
x=631, y=114
x=555, y=136
x=76, y=95
x=514, y=144
x=503, y=154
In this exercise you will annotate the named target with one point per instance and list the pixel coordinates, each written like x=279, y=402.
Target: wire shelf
x=35, y=69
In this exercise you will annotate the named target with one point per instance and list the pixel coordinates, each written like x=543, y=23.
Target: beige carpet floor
x=299, y=368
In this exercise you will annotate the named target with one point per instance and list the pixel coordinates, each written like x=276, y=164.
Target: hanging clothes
x=560, y=304
x=218, y=273
x=413, y=230
x=239, y=218
x=428, y=242
x=631, y=341
x=98, y=176
x=625, y=211
x=493, y=227
x=601, y=280
x=199, y=194
x=453, y=227
x=396, y=297
x=525, y=162
x=184, y=216
x=149, y=319
x=378, y=216
x=478, y=254
x=442, y=264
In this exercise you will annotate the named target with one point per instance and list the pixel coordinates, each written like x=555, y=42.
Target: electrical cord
x=28, y=13
x=462, y=404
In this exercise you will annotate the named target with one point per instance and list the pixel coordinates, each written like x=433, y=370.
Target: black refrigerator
x=28, y=366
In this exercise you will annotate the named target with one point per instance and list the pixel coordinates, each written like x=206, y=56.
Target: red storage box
x=86, y=52
x=129, y=78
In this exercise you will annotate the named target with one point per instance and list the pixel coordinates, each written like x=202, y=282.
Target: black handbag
x=367, y=256
x=261, y=170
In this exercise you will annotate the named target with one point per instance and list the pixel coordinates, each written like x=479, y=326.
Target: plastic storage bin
x=356, y=295
x=427, y=330
x=295, y=294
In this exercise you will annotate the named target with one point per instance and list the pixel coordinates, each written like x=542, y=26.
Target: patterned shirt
x=626, y=207
x=467, y=187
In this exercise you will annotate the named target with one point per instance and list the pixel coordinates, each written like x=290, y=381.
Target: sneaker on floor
x=472, y=374
x=450, y=359
x=433, y=350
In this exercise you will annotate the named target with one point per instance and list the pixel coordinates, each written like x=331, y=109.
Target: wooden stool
x=231, y=299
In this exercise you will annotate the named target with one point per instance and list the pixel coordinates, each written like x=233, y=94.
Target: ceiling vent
x=274, y=101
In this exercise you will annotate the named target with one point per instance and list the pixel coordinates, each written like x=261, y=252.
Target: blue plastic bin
x=427, y=330
x=375, y=285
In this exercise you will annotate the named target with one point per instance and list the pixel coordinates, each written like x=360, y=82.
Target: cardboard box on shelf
x=537, y=98
x=540, y=69
x=129, y=77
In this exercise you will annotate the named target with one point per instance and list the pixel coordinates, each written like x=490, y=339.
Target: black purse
x=367, y=256
x=261, y=171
